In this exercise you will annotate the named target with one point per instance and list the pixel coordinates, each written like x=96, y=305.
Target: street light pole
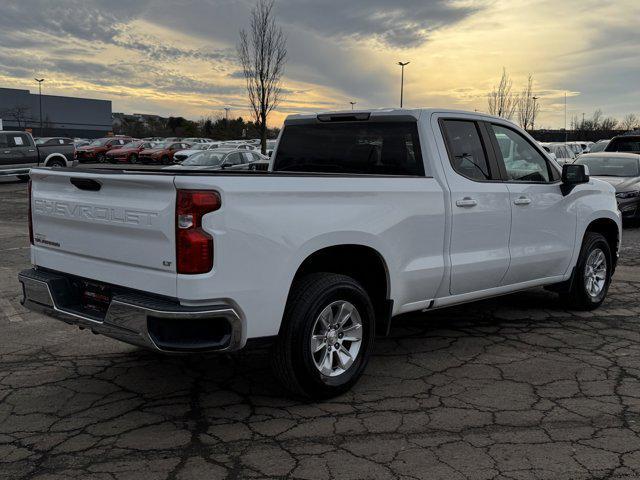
x=402, y=65
x=353, y=104
x=226, y=113
x=533, y=116
x=40, y=80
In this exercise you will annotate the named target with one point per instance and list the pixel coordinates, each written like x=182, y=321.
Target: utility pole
x=226, y=113
x=353, y=104
x=402, y=65
x=566, y=134
x=40, y=80
x=533, y=116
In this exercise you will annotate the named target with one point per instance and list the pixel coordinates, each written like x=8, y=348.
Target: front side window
x=523, y=163
x=466, y=152
x=367, y=147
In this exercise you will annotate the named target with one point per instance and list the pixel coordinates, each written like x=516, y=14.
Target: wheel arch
x=52, y=156
x=363, y=263
x=609, y=229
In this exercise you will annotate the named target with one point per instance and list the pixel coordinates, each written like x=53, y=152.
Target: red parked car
x=96, y=151
x=129, y=153
x=162, y=152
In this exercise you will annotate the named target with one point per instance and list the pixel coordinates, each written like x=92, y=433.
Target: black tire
x=133, y=158
x=578, y=296
x=56, y=162
x=293, y=361
x=101, y=158
x=165, y=160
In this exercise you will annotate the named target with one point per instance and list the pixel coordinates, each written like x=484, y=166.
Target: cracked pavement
x=509, y=388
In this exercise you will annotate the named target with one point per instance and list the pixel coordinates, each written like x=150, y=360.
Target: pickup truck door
x=543, y=224
x=480, y=208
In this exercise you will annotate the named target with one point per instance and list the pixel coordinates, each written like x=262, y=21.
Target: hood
x=621, y=184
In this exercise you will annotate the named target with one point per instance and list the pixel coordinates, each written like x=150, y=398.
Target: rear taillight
x=194, y=246
x=30, y=215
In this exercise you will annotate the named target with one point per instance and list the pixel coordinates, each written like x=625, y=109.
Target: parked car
x=19, y=153
x=198, y=147
x=219, y=159
x=599, y=146
x=129, y=152
x=97, y=150
x=548, y=150
x=622, y=170
x=162, y=152
x=563, y=154
x=624, y=143
x=363, y=217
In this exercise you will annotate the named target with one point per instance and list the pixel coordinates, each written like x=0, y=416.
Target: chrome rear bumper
x=135, y=318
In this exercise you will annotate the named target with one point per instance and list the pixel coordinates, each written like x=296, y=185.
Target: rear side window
x=466, y=153
x=373, y=148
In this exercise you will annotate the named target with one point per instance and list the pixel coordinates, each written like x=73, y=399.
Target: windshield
x=611, y=166
x=99, y=142
x=133, y=144
x=204, y=159
x=374, y=148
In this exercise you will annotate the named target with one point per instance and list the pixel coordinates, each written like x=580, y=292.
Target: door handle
x=466, y=202
x=522, y=201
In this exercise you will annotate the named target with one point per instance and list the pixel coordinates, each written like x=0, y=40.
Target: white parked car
x=562, y=152
x=219, y=159
x=198, y=147
x=363, y=216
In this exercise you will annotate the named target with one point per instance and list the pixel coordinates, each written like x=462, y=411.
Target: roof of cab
x=386, y=113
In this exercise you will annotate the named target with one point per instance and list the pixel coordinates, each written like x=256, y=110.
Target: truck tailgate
x=115, y=228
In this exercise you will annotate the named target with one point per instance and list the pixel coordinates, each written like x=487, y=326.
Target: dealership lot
x=515, y=387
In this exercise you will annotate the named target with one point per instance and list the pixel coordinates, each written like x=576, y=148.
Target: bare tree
x=19, y=113
x=528, y=106
x=502, y=101
x=630, y=122
x=263, y=53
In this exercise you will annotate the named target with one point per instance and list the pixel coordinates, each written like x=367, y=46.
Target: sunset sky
x=178, y=58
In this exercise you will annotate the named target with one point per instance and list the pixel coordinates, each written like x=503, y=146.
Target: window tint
x=18, y=141
x=466, y=152
x=522, y=161
x=374, y=148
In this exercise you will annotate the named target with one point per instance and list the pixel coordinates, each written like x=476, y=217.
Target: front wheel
x=326, y=336
x=101, y=158
x=133, y=158
x=592, y=275
x=57, y=163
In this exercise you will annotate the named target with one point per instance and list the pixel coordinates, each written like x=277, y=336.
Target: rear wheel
x=326, y=337
x=101, y=158
x=165, y=160
x=56, y=162
x=592, y=275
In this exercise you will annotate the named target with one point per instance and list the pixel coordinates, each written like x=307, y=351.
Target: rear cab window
x=367, y=147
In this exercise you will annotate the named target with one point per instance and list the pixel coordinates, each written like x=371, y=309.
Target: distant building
x=64, y=116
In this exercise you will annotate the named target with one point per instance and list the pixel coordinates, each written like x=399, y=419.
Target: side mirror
x=573, y=174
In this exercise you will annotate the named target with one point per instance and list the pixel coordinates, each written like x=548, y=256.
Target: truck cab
x=18, y=153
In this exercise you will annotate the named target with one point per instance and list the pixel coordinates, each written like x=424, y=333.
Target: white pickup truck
x=361, y=217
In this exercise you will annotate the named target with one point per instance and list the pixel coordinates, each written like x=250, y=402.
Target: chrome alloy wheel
x=336, y=338
x=595, y=273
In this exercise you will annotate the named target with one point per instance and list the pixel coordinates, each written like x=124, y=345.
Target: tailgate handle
x=86, y=184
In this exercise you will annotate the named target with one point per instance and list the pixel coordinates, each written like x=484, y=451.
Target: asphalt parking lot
x=510, y=388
